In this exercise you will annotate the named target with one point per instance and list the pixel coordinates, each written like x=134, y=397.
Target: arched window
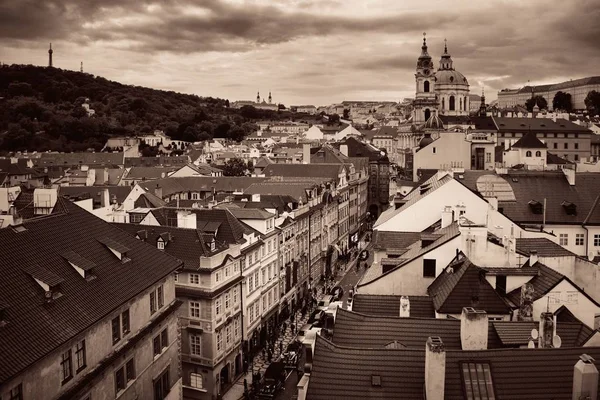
x=528, y=154
x=538, y=153
x=443, y=103
x=426, y=87
x=465, y=104
x=427, y=114
x=452, y=105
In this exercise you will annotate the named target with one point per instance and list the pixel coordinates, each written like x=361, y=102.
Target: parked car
x=274, y=380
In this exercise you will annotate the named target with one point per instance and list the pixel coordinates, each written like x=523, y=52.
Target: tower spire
x=445, y=46
x=81, y=68
x=50, y=56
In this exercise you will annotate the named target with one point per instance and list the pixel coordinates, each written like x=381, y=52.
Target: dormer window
x=212, y=245
x=160, y=244
x=570, y=208
x=47, y=280
x=116, y=248
x=83, y=266
x=536, y=207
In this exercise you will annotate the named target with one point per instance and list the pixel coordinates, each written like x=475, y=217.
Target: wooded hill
x=40, y=110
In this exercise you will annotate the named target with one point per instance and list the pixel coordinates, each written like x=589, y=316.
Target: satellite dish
x=534, y=334
x=591, y=255
x=531, y=344
x=556, y=341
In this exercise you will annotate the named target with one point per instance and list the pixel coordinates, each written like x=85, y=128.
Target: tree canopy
x=539, y=100
x=42, y=110
x=234, y=167
x=562, y=101
x=592, y=102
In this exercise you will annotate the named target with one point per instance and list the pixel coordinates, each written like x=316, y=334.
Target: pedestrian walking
x=284, y=327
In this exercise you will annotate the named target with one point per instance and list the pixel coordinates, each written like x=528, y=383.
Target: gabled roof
x=544, y=247
x=518, y=333
x=229, y=184
x=414, y=251
x=70, y=159
x=188, y=245
x=383, y=240
x=529, y=141
x=543, y=283
x=229, y=229
x=250, y=213
x=263, y=162
x=47, y=327
x=296, y=190
x=149, y=200
x=537, y=125
x=321, y=170
x=94, y=192
x=426, y=188
x=148, y=173
x=463, y=284
x=389, y=305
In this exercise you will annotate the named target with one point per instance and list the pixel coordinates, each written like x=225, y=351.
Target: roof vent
x=376, y=380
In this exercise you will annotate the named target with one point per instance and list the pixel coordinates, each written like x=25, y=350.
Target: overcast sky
x=305, y=51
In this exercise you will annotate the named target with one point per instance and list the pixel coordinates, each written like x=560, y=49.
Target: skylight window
x=376, y=380
x=477, y=379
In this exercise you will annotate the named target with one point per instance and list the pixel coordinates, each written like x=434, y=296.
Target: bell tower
x=258, y=97
x=425, y=103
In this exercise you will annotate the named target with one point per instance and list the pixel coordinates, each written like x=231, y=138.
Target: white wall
x=581, y=307
x=408, y=280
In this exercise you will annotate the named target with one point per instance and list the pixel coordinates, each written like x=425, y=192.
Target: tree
x=539, y=100
x=562, y=101
x=335, y=118
x=236, y=133
x=234, y=167
x=346, y=113
x=280, y=107
x=592, y=102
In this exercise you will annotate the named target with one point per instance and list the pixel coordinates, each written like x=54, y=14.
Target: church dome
x=450, y=77
x=434, y=122
x=425, y=140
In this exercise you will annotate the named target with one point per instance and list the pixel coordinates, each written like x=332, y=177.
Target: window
x=80, y=355
x=566, y=146
x=161, y=245
x=219, y=341
x=226, y=271
x=556, y=145
x=256, y=283
x=196, y=344
x=528, y=153
x=563, y=239
x=237, y=327
x=152, y=302
x=426, y=86
x=195, y=309
x=596, y=240
x=576, y=145
x=433, y=150
x=250, y=284
x=218, y=306
x=227, y=300
x=579, y=238
x=160, y=342
x=116, y=329
x=16, y=393
x=477, y=380
x=428, y=268
x=576, y=157
x=125, y=322
x=228, y=334
x=176, y=277
x=217, y=277
x=196, y=380
x=264, y=276
x=488, y=157
x=452, y=103
x=161, y=296
x=538, y=153
x=66, y=366
x=162, y=386
x=195, y=196
x=235, y=295
x=195, y=279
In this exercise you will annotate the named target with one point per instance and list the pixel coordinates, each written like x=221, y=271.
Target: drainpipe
x=587, y=238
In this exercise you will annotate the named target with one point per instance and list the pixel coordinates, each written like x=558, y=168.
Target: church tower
x=258, y=97
x=482, y=106
x=50, y=56
x=270, y=98
x=425, y=103
x=451, y=88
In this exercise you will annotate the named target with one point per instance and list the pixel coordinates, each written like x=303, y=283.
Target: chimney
x=473, y=329
x=533, y=257
x=526, y=303
x=585, y=379
x=158, y=191
x=435, y=368
x=404, y=307
x=546, y=331
x=105, y=198
x=344, y=149
x=570, y=174
x=447, y=217
x=306, y=153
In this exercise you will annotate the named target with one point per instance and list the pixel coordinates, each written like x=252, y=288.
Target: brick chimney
x=404, y=307
x=158, y=191
x=585, y=379
x=473, y=329
x=435, y=368
x=533, y=257
x=447, y=216
x=306, y=153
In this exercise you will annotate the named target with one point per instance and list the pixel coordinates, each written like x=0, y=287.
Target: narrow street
x=348, y=281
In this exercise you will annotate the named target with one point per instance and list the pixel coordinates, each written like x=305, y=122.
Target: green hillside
x=40, y=109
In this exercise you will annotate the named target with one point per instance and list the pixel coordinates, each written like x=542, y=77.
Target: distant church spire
x=482, y=106
x=50, y=56
x=446, y=60
x=81, y=68
x=258, y=97
x=270, y=98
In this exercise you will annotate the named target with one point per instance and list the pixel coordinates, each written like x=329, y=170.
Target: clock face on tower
x=426, y=72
